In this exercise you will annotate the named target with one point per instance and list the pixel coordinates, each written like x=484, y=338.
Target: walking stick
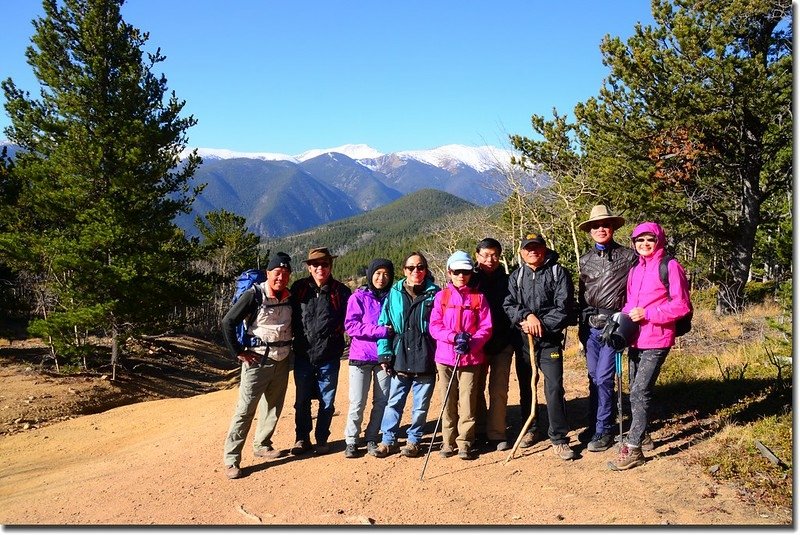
x=534, y=401
x=436, y=427
x=618, y=366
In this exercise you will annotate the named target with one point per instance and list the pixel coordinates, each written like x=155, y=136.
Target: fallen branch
x=771, y=457
x=249, y=515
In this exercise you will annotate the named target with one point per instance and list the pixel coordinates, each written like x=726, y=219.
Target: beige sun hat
x=601, y=212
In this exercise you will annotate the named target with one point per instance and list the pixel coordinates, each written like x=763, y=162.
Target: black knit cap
x=280, y=260
x=374, y=266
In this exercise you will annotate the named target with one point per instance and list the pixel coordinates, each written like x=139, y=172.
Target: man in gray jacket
x=601, y=292
x=265, y=367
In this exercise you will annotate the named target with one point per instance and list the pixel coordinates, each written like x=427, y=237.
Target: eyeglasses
x=643, y=240
x=323, y=265
x=595, y=226
x=420, y=267
x=462, y=272
x=487, y=256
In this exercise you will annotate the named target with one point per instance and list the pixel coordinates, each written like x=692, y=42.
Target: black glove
x=462, y=342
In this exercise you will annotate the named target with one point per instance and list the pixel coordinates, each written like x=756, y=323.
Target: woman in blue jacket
x=408, y=355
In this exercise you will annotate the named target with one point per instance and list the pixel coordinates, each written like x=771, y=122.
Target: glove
x=462, y=342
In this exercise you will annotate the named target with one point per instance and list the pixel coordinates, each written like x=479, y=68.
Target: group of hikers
x=407, y=335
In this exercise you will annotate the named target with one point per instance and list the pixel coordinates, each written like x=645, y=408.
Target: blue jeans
x=644, y=365
x=422, y=390
x=601, y=367
x=312, y=380
x=360, y=379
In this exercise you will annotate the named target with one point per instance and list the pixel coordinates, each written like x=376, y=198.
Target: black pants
x=549, y=360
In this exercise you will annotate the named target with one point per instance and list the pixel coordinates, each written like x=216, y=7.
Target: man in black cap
x=539, y=304
x=265, y=367
x=319, y=304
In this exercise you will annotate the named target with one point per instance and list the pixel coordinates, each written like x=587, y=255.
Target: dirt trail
x=159, y=462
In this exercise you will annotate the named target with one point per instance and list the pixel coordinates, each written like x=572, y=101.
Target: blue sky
x=278, y=76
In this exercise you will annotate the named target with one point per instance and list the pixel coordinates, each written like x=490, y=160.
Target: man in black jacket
x=539, y=303
x=601, y=292
x=319, y=304
x=491, y=279
x=265, y=367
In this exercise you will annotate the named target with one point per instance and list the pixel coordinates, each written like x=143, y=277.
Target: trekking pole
x=444, y=404
x=534, y=400
x=618, y=366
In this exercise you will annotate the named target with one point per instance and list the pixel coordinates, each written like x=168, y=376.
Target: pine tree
x=101, y=178
x=694, y=125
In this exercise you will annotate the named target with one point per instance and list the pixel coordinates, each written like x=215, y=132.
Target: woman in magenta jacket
x=461, y=323
x=656, y=313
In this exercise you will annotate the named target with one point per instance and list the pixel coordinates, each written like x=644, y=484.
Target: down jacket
x=445, y=326
x=646, y=290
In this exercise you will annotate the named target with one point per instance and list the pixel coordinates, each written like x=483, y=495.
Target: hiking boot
x=629, y=457
x=322, y=448
x=269, y=453
x=499, y=445
x=410, y=450
x=350, y=451
x=467, y=454
x=446, y=452
x=600, y=442
x=371, y=447
x=564, y=451
x=528, y=439
x=647, y=442
x=233, y=472
x=301, y=447
x=384, y=450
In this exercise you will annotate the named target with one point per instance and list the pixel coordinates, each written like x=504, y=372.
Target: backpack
x=244, y=282
x=682, y=325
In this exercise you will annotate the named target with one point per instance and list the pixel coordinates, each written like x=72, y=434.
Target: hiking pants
x=644, y=366
x=262, y=387
x=601, y=368
x=492, y=419
x=548, y=358
x=458, y=418
x=312, y=380
x=361, y=376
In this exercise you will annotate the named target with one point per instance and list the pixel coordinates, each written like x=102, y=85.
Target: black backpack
x=682, y=325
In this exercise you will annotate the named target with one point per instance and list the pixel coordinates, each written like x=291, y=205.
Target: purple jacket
x=646, y=290
x=443, y=326
x=361, y=324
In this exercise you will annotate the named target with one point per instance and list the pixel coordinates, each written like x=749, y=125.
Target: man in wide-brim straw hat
x=319, y=303
x=601, y=292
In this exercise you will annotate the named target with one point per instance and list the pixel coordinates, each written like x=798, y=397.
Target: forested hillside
x=391, y=231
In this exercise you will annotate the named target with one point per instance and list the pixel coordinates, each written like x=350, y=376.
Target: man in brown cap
x=319, y=303
x=601, y=292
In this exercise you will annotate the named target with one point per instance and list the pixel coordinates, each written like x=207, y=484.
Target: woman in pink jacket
x=461, y=323
x=656, y=313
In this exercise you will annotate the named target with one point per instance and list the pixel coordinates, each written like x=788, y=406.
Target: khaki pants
x=492, y=419
x=460, y=405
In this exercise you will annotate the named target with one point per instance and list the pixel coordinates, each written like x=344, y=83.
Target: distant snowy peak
x=225, y=154
x=479, y=158
x=356, y=152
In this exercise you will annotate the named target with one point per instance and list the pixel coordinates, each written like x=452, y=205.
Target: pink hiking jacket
x=443, y=326
x=646, y=290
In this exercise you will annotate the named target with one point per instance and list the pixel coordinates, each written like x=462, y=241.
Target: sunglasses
x=323, y=265
x=463, y=272
x=595, y=226
x=415, y=268
x=643, y=240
